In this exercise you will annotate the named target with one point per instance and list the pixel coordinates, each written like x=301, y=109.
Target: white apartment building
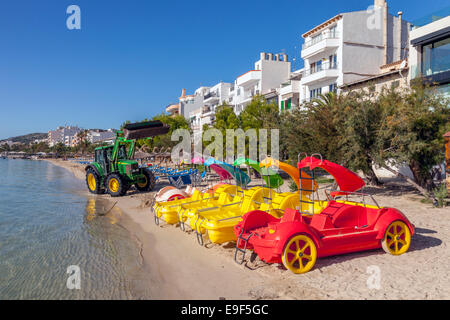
x=429, y=53
x=270, y=71
x=215, y=97
x=290, y=92
x=350, y=47
x=99, y=136
x=189, y=103
x=195, y=117
x=63, y=135
x=205, y=115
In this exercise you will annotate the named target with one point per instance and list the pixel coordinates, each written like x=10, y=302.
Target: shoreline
x=176, y=267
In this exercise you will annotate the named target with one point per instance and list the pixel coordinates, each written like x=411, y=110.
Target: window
x=282, y=105
x=122, y=153
x=99, y=156
x=315, y=93
x=315, y=39
x=319, y=65
x=333, y=61
x=333, y=32
x=333, y=87
x=436, y=57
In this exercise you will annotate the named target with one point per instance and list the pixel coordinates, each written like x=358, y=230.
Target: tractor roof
x=104, y=147
x=142, y=130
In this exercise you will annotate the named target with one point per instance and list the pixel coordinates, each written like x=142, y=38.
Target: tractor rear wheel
x=115, y=185
x=149, y=182
x=93, y=182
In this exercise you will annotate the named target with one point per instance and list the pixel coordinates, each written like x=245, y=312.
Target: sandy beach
x=176, y=267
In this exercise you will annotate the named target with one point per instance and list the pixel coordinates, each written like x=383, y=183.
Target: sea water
x=56, y=242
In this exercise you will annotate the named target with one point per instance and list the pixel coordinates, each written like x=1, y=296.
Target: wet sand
x=176, y=267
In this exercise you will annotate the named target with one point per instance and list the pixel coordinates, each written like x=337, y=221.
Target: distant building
x=101, y=136
x=189, y=103
x=63, y=135
x=173, y=109
x=270, y=71
x=290, y=93
x=353, y=48
x=195, y=120
x=216, y=96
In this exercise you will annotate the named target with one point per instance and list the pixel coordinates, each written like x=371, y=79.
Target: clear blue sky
x=132, y=58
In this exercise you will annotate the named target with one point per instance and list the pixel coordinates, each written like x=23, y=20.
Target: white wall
x=274, y=73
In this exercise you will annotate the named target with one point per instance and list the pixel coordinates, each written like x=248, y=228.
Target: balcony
x=207, y=111
x=290, y=87
x=211, y=98
x=325, y=41
x=248, y=96
x=322, y=72
x=250, y=78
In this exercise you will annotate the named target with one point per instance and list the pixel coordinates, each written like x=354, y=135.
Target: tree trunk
x=372, y=177
x=423, y=191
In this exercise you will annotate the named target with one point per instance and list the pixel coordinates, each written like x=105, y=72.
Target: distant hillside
x=28, y=138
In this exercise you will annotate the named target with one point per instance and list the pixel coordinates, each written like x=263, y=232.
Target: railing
x=210, y=95
x=323, y=36
x=347, y=194
x=321, y=67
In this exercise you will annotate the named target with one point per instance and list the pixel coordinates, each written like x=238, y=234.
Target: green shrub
x=441, y=194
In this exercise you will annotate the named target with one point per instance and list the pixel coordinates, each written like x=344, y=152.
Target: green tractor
x=114, y=169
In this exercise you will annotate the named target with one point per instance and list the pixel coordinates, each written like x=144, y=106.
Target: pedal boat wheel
x=397, y=238
x=300, y=254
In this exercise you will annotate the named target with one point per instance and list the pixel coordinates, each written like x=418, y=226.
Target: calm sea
x=47, y=224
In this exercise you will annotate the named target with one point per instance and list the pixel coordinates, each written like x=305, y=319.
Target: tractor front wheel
x=148, y=183
x=93, y=182
x=115, y=185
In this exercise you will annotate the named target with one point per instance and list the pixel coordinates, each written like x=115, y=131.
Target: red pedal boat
x=298, y=239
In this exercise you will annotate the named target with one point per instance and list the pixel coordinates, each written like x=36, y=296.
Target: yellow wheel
x=93, y=181
x=147, y=182
x=397, y=238
x=144, y=183
x=300, y=254
x=113, y=185
x=92, y=184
